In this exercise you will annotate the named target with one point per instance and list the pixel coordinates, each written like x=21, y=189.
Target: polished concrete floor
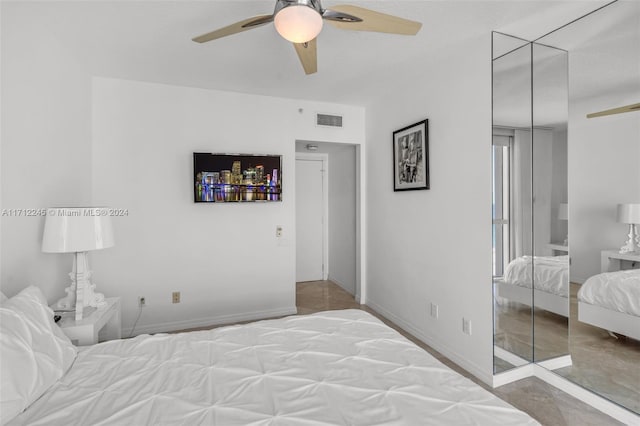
x=601, y=363
x=543, y=402
x=607, y=365
x=514, y=332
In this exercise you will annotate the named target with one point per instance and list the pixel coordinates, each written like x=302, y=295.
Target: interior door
x=309, y=220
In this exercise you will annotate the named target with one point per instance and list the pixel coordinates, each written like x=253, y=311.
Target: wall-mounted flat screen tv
x=224, y=178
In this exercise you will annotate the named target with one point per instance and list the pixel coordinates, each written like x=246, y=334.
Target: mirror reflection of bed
x=549, y=278
x=605, y=334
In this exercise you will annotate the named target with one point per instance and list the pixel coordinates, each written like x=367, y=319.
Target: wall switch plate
x=434, y=311
x=278, y=231
x=176, y=297
x=466, y=326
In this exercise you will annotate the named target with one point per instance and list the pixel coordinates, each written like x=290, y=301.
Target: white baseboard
x=596, y=401
x=207, y=321
x=556, y=362
x=434, y=343
x=341, y=284
x=512, y=375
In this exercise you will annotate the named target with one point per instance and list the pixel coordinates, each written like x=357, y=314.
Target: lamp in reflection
x=563, y=214
x=630, y=215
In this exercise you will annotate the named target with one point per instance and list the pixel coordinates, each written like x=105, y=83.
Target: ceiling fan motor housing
x=313, y=4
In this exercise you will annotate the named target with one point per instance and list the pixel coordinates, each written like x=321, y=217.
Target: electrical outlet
x=434, y=311
x=142, y=302
x=176, y=297
x=278, y=231
x=466, y=326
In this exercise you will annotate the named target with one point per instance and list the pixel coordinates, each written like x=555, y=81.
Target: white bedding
x=618, y=291
x=548, y=273
x=330, y=368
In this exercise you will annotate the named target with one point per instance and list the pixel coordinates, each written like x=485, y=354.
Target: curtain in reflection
x=522, y=237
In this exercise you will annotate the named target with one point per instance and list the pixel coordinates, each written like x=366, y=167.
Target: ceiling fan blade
x=626, y=108
x=238, y=27
x=308, y=54
x=370, y=20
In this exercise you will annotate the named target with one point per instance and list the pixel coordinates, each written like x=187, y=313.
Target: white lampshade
x=298, y=23
x=69, y=230
x=563, y=211
x=629, y=213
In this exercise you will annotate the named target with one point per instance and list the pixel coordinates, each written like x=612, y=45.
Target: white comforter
x=618, y=291
x=330, y=368
x=548, y=273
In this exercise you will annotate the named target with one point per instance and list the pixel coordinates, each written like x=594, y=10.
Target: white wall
x=542, y=189
x=342, y=217
x=46, y=146
x=224, y=258
x=435, y=245
x=342, y=211
x=559, y=187
x=604, y=159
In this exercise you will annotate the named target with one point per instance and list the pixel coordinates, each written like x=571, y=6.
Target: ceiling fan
x=300, y=22
x=626, y=108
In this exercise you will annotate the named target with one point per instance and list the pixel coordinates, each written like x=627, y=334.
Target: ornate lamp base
x=81, y=293
x=634, y=239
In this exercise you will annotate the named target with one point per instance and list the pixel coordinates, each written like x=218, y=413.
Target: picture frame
x=411, y=157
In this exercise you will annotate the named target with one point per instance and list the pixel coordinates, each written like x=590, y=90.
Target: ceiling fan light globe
x=298, y=23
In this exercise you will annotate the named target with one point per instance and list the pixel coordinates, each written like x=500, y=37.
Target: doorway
x=327, y=209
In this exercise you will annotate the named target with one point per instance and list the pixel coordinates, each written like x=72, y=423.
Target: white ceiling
x=151, y=41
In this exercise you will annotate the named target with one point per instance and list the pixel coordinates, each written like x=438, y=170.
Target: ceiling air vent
x=329, y=120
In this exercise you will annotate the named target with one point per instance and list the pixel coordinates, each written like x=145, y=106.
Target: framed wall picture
x=411, y=157
x=224, y=178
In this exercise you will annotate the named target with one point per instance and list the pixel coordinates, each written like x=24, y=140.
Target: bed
x=550, y=278
x=330, y=368
x=611, y=300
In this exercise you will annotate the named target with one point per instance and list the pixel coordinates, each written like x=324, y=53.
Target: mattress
x=547, y=273
x=618, y=291
x=329, y=368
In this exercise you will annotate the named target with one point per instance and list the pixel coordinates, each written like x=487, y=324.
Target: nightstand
x=87, y=331
x=558, y=249
x=612, y=260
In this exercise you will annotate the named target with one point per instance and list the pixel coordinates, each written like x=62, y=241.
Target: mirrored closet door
x=572, y=176
x=530, y=256
x=550, y=204
x=512, y=209
x=604, y=172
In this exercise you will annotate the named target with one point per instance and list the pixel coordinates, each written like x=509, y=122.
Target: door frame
x=324, y=158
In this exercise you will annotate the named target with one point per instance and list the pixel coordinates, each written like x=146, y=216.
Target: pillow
x=34, y=351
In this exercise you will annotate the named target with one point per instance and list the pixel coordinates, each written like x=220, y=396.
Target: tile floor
x=545, y=403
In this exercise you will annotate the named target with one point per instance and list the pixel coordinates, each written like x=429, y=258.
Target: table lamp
x=630, y=214
x=78, y=230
